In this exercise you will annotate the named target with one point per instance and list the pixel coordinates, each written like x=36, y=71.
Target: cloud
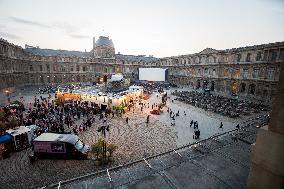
x=28, y=22
x=79, y=36
x=66, y=27
x=9, y=35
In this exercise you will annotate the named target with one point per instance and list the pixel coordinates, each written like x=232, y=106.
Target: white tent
x=116, y=77
x=21, y=136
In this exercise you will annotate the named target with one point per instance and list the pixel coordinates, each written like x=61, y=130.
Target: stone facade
x=248, y=71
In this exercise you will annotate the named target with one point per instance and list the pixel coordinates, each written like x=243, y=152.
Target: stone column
x=267, y=165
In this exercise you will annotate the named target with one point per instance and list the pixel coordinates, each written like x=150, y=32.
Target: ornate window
x=258, y=56
x=237, y=73
x=239, y=57
x=47, y=67
x=214, y=72
x=270, y=73
x=273, y=56
x=245, y=73
x=206, y=72
x=226, y=72
x=248, y=57
x=255, y=73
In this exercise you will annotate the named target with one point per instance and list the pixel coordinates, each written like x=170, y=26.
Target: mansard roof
x=51, y=52
x=136, y=58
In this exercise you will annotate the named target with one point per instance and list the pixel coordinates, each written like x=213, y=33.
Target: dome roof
x=104, y=41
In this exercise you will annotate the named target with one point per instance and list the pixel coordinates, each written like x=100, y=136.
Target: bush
x=97, y=149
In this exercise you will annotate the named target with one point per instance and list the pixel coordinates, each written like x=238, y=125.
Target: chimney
x=94, y=42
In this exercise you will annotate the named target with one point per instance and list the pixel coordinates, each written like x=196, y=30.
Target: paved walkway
x=218, y=163
x=135, y=141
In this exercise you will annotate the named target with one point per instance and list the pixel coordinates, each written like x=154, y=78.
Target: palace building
x=251, y=71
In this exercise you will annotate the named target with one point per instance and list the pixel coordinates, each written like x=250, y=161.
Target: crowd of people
x=47, y=89
x=220, y=104
x=193, y=124
x=51, y=117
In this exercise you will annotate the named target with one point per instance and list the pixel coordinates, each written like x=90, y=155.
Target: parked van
x=50, y=145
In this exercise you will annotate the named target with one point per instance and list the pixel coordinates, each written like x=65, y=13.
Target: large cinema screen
x=153, y=74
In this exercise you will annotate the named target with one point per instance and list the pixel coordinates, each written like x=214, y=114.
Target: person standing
x=221, y=125
x=148, y=117
x=126, y=120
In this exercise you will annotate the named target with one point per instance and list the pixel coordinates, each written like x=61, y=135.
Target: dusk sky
x=160, y=28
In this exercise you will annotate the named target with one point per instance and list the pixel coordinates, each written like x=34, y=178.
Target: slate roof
x=52, y=52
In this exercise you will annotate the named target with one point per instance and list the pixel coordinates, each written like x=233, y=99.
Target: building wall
x=249, y=71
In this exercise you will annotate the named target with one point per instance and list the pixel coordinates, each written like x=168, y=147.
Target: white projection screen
x=152, y=74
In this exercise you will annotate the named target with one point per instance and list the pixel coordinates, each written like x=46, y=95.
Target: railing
x=106, y=171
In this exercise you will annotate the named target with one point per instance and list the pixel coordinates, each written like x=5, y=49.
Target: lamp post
x=8, y=95
x=103, y=130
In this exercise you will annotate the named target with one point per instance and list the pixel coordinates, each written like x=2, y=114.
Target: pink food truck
x=52, y=145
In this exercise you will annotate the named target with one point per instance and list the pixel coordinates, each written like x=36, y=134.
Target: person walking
x=221, y=125
x=148, y=117
x=126, y=120
x=238, y=126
